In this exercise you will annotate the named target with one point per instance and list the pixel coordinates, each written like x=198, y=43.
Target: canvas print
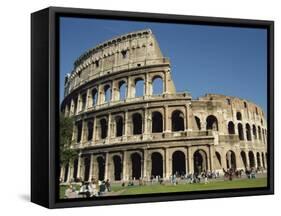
x=154, y=108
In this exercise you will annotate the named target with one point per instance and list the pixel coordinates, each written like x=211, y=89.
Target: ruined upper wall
x=127, y=51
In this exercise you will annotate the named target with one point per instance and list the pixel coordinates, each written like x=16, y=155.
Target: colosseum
x=124, y=130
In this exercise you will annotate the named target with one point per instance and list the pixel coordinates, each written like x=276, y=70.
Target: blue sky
x=204, y=59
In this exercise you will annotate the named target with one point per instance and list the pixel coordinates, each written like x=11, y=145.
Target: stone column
x=147, y=90
x=212, y=158
x=190, y=160
x=186, y=161
x=129, y=87
x=79, y=104
x=88, y=99
x=70, y=172
x=165, y=82
x=167, y=164
x=71, y=109
x=100, y=95
x=79, y=167
x=239, y=162
x=144, y=170
x=110, y=170
x=83, y=132
x=73, y=139
x=126, y=123
x=166, y=119
x=125, y=167
x=62, y=172
x=186, y=118
x=114, y=91
x=106, y=166
x=94, y=167
x=91, y=167
x=145, y=121
x=109, y=128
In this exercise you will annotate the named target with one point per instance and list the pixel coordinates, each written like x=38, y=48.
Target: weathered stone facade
x=122, y=136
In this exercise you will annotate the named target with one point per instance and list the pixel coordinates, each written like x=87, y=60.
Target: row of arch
x=250, y=160
x=178, y=166
x=239, y=116
x=106, y=92
x=157, y=125
x=255, y=133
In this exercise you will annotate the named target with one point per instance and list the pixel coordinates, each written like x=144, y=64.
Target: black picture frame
x=45, y=105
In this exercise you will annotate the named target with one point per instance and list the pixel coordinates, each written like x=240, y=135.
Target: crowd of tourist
x=88, y=189
x=96, y=187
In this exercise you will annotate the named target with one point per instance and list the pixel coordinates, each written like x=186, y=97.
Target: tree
x=66, y=153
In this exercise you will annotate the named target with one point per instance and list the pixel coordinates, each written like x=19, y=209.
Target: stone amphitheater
x=124, y=129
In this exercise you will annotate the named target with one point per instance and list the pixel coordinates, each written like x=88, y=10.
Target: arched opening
x=244, y=159
x=157, y=85
x=79, y=131
x=200, y=161
x=75, y=169
x=259, y=132
x=139, y=87
x=66, y=170
x=212, y=123
x=156, y=164
x=117, y=167
x=263, y=161
x=119, y=126
x=240, y=131
x=122, y=90
x=239, y=116
x=101, y=168
x=252, y=159
x=198, y=122
x=230, y=160
x=157, y=122
x=137, y=123
x=248, y=132
x=90, y=126
x=103, y=128
x=177, y=121
x=136, y=165
x=107, y=93
x=87, y=161
x=179, y=163
x=231, y=128
x=218, y=157
x=258, y=159
x=255, y=132
x=94, y=97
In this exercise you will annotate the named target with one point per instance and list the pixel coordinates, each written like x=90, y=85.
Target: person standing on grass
x=206, y=177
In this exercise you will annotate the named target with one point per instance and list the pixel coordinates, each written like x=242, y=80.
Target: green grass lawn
x=117, y=189
x=215, y=185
